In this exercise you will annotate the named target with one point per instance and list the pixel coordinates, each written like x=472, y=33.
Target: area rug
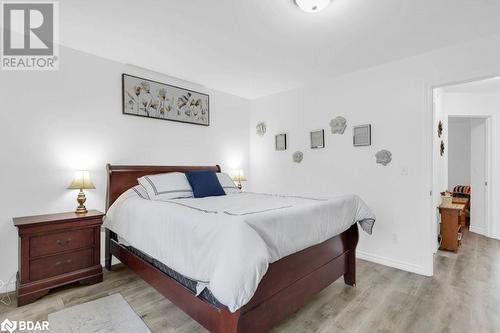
x=108, y=314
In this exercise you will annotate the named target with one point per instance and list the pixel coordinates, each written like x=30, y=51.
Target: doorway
x=467, y=167
x=464, y=152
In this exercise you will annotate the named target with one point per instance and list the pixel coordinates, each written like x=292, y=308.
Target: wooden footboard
x=288, y=284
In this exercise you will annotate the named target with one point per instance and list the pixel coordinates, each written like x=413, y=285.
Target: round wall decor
x=261, y=128
x=338, y=125
x=383, y=157
x=298, y=156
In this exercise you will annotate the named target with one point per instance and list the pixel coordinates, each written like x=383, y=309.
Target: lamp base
x=239, y=185
x=81, y=209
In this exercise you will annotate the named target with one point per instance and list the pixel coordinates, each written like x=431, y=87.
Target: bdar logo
x=8, y=326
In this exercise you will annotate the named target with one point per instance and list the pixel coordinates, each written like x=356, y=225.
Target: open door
x=478, y=176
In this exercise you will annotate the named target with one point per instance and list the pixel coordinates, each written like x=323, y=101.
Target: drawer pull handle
x=66, y=242
x=68, y=261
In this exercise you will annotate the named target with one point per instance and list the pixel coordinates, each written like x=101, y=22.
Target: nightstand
x=452, y=219
x=55, y=250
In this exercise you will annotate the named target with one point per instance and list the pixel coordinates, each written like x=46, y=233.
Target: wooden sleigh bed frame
x=288, y=284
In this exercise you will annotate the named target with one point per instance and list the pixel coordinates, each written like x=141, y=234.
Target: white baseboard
x=495, y=237
x=483, y=232
x=477, y=230
x=8, y=287
x=114, y=261
x=412, y=268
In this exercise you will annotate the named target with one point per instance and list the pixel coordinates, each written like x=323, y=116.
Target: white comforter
x=226, y=243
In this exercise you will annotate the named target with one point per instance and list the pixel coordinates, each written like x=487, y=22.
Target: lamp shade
x=239, y=176
x=81, y=181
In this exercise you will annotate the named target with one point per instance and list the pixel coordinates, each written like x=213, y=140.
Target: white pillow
x=141, y=192
x=167, y=186
x=227, y=183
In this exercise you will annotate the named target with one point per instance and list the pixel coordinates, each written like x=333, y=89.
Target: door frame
x=430, y=240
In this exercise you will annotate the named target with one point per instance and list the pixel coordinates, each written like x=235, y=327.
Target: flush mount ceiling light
x=312, y=6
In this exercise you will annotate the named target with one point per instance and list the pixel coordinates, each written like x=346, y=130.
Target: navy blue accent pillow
x=204, y=184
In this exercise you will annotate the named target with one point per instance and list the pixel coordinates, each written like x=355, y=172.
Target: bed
x=287, y=283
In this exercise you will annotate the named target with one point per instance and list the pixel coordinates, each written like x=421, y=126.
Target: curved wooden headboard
x=123, y=177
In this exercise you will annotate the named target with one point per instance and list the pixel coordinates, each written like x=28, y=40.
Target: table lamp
x=81, y=182
x=239, y=176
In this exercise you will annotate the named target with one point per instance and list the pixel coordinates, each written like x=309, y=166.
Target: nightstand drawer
x=60, y=264
x=61, y=241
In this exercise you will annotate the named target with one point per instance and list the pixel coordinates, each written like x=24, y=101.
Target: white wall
x=396, y=99
x=459, y=151
x=483, y=105
x=53, y=123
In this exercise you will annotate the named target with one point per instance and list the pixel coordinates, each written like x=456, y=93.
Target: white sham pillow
x=227, y=183
x=167, y=186
x=141, y=192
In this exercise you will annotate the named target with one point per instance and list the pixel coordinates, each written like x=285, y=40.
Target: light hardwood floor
x=463, y=296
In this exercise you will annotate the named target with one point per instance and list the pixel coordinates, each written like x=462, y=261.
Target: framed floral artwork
x=152, y=99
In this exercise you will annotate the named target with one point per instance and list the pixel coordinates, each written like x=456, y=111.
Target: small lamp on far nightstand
x=81, y=182
x=238, y=177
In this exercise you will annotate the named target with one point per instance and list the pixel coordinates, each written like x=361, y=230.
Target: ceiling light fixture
x=312, y=6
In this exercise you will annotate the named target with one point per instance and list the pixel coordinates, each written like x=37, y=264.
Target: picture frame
x=362, y=135
x=280, y=142
x=317, y=139
x=156, y=100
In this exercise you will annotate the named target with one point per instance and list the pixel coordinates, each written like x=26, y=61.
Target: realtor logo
x=30, y=35
x=8, y=326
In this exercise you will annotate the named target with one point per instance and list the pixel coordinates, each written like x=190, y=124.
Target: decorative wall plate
x=261, y=128
x=338, y=125
x=383, y=157
x=298, y=156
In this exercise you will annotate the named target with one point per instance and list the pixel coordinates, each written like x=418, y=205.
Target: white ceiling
x=477, y=87
x=254, y=48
